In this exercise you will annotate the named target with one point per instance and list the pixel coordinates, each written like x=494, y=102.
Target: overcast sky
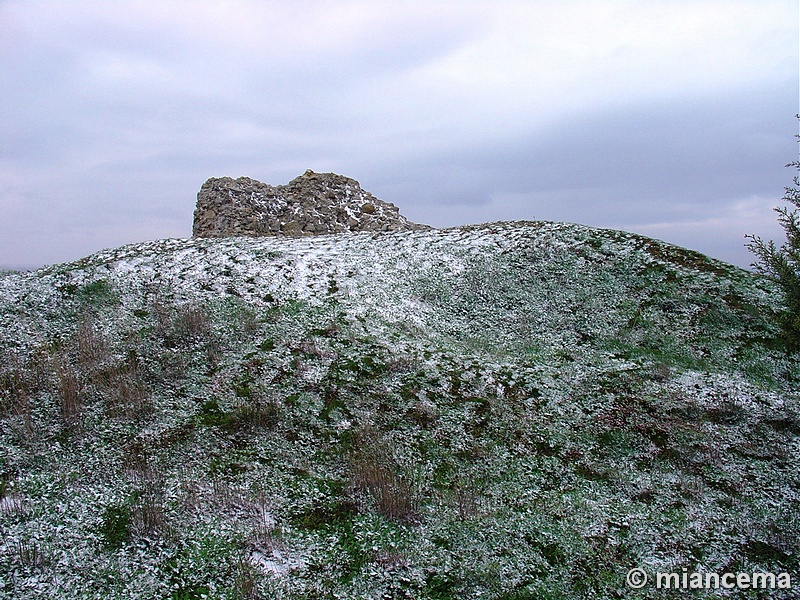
x=671, y=118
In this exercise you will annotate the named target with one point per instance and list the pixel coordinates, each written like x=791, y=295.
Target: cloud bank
x=669, y=118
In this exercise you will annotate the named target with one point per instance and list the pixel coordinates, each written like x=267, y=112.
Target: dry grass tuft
x=15, y=401
x=467, y=500
x=148, y=518
x=92, y=348
x=246, y=580
x=27, y=553
x=125, y=393
x=375, y=474
x=69, y=392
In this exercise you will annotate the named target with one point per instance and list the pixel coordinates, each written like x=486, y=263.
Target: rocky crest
x=311, y=204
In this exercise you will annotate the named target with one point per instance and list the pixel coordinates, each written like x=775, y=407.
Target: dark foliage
x=782, y=263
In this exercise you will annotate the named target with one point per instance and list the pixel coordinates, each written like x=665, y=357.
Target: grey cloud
x=679, y=162
x=104, y=152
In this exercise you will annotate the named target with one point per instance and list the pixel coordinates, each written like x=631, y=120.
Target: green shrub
x=211, y=415
x=782, y=263
x=98, y=293
x=116, y=526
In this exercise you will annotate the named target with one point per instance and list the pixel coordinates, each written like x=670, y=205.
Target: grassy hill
x=509, y=411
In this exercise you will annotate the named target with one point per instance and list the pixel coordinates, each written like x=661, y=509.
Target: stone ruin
x=311, y=204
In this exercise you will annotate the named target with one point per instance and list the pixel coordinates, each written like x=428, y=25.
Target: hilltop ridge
x=495, y=411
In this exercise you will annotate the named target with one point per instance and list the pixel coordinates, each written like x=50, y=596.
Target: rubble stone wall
x=311, y=204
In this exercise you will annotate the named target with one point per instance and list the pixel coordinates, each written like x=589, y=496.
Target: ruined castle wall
x=311, y=204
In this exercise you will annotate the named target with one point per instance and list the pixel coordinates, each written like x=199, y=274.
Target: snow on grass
x=488, y=411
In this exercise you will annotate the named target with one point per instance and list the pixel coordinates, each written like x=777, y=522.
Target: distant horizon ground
x=22, y=267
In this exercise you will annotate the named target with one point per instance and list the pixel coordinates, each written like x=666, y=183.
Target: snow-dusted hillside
x=510, y=410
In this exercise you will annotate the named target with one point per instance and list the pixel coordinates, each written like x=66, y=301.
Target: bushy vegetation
x=782, y=263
